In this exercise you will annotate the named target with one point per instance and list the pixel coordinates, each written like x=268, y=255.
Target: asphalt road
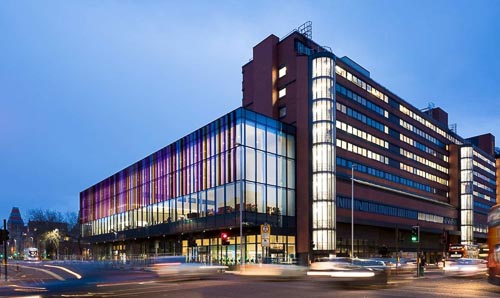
x=98, y=280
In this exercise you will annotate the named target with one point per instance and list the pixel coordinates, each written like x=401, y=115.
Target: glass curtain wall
x=466, y=195
x=200, y=177
x=323, y=153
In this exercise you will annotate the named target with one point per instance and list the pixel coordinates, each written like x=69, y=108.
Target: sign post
x=265, y=234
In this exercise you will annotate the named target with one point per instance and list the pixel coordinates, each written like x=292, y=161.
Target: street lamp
x=352, y=211
x=238, y=145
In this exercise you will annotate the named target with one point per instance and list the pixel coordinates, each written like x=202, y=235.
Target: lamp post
x=352, y=211
x=238, y=145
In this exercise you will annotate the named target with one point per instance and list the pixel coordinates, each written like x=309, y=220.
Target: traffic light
x=4, y=235
x=415, y=234
x=224, y=238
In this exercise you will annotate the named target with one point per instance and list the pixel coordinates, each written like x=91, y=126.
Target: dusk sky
x=89, y=87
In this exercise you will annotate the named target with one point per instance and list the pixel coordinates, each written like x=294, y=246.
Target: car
x=273, y=271
x=465, y=267
x=347, y=270
x=176, y=267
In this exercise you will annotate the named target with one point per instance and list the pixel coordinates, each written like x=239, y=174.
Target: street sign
x=265, y=242
x=265, y=234
x=265, y=229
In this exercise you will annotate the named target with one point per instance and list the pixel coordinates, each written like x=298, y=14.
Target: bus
x=494, y=245
x=31, y=254
x=457, y=251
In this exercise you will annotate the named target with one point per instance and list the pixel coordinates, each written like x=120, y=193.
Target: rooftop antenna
x=306, y=29
x=453, y=127
x=429, y=107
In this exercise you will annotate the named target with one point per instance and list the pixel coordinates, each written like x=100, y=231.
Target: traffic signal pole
x=415, y=238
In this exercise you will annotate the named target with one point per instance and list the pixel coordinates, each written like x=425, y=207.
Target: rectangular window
x=282, y=93
x=282, y=72
x=282, y=111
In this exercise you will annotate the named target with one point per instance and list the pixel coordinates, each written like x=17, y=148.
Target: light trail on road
x=65, y=269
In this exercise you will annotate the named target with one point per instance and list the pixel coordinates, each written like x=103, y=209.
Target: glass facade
x=200, y=181
x=466, y=196
x=323, y=153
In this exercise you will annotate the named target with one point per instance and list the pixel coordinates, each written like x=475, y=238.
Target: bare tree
x=71, y=218
x=45, y=215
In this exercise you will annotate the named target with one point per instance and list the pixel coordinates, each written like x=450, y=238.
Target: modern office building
x=180, y=199
x=333, y=161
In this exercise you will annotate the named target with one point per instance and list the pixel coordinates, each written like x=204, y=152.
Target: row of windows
x=362, y=117
x=430, y=217
x=422, y=147
x=484, y=168
x=269, y=139
x=303, y=49
x=362, y=151
x=361, y=100
x=485, y=159
x=488, y=179
x=419, y=132
x=360, y=83
x=483, y=196
x=187, y=157
x=428, y=124
x=482, y=186
x=214, y=171
x=264, y=167
x=423, y=174
x=259, y=198
x=350, y=77
x=361, y=134
x=422, y=160
x=483, y=206
x=480, y=228
x=384, y=209
x=341, y=162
